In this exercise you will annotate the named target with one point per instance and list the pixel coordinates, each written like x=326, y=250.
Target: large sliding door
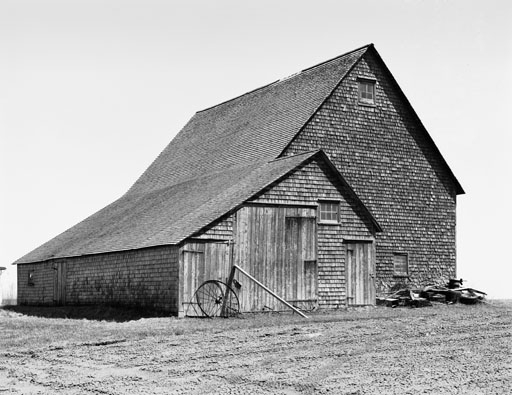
x=276, y=245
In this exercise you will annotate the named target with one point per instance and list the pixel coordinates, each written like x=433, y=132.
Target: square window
x=329, y=212
x=366, y=89
x=400, y=264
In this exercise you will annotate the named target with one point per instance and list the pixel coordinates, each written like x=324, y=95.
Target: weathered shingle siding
x=307, y=185
x=221, y=229
x=331, y=267
x=147, y=278
x=383, y=153
x=314, y=182
x=41, y=292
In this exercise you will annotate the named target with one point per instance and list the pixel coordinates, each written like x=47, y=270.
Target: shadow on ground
x=96, y=312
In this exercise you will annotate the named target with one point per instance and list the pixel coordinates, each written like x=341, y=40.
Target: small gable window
x=366, y=89
x=400, y=264
x=329, y=212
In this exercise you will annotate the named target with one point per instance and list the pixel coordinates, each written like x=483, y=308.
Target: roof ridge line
x=342, y=78
x=337, y=57
x=237, y=97
x=285, y=78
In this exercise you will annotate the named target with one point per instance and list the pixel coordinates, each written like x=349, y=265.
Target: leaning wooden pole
x=268, y=290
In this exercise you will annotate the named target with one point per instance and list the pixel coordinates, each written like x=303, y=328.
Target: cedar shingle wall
x=331, y=267
x=382, y=153
x=147, y=277
x=306, y=186
x=42, y=290
x=221, y=230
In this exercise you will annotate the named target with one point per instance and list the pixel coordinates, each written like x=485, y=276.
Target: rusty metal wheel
x=216, y=299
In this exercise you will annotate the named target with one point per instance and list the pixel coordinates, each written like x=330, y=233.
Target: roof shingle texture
x=165, y=216
x=255, y=126
x=222, y=157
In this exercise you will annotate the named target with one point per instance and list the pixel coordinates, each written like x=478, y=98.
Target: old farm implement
x=215, y=298
x=450, y=293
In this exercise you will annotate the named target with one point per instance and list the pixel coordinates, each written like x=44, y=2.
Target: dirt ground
x=442, y=349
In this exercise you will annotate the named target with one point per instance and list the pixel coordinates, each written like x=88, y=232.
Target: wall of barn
x=206, y=255
x=38, y=289
x=221, y=229
x=146, y=278
x=384, y=155
x=307, y=185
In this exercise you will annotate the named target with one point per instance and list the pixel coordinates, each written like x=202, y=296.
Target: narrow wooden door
x=202, y=262
x=59, y=283
x=360, y=273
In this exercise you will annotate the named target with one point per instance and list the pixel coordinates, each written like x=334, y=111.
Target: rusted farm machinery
x=214, y=298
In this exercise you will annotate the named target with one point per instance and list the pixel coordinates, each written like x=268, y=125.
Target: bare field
x=442, y=349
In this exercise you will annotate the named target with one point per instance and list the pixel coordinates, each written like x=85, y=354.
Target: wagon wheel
x=216, y=299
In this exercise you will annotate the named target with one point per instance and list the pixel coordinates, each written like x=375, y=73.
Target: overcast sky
x=92, y=91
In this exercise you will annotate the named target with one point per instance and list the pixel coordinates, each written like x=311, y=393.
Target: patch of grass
x=89, y=312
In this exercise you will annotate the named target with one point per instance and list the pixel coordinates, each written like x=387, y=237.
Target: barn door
x=276, y=245
x=59, y=283
x=300, y=250
x=360, y=273
x=203, y=261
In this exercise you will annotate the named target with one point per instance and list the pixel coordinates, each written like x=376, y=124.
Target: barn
x=324, y=186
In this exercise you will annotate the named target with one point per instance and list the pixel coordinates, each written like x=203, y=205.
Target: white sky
x=92, y=91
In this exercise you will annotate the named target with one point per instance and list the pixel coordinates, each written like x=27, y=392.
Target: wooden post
x=266, y=289
x=223, y=312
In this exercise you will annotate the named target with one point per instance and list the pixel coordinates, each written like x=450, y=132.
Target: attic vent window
x=329, y=212
x=366, y=89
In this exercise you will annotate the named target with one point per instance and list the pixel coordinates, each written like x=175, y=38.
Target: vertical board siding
x=59, y=282
x=385, y=156
x=272, y=244
x=283, y=247
x=360, y=273
x=147, y=278
x=201, y=261
x=307, y=185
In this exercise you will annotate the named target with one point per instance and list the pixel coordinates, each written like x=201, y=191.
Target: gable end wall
x=307, y=185
x=384, y=155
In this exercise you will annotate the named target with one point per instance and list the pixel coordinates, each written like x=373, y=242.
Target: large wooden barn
x=324, y=186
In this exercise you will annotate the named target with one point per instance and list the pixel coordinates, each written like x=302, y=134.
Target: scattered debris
x=452, y=292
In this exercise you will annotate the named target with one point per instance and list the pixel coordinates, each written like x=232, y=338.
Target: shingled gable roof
x=191, y=183
x=171, y=214
x=252, y=127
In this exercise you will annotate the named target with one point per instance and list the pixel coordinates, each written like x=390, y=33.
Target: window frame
x=366, y=82
x=332, y=203
x=30, y=278
x=395, y=271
